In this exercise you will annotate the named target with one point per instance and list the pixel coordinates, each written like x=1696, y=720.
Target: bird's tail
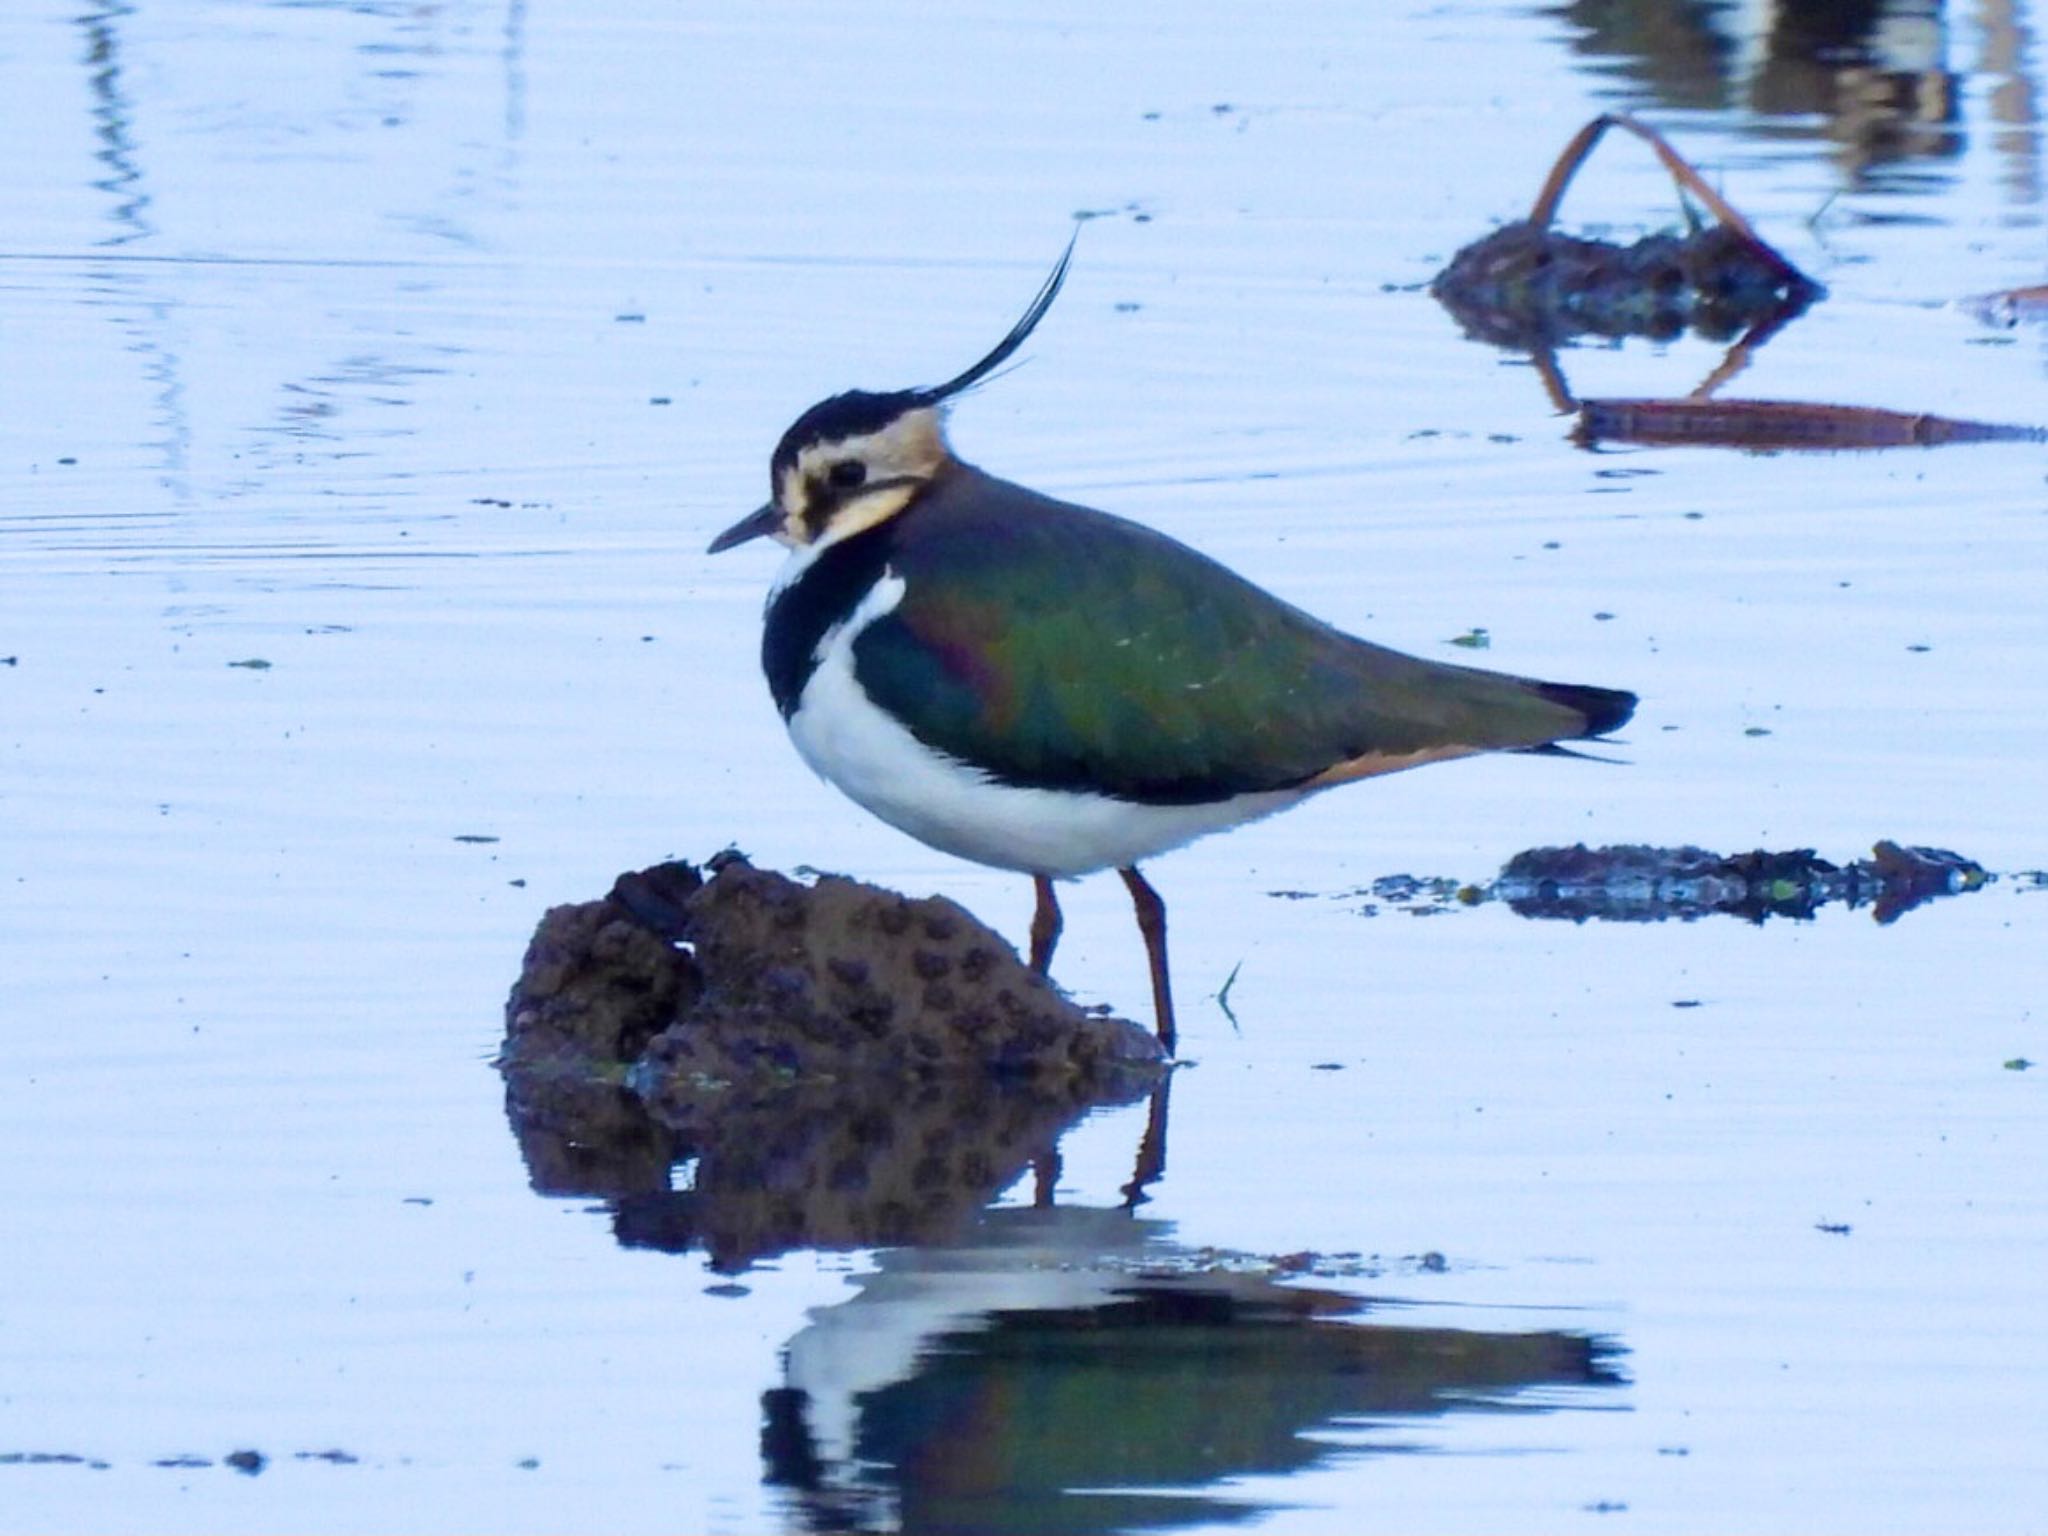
x=1604, y=709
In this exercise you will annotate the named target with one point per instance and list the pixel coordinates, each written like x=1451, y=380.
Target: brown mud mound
x=749, y=978
x=834, y=1065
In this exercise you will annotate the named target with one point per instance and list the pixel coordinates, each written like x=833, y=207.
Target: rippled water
x=376, y=375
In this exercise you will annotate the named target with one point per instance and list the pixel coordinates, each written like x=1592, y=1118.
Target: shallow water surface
x=378, y=373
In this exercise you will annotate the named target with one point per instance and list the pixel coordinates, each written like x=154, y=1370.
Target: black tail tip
x=1605, y=709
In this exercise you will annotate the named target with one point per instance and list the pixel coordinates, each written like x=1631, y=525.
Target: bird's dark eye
x=847, y=474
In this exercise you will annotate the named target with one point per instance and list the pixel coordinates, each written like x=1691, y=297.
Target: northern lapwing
x=1051, y=689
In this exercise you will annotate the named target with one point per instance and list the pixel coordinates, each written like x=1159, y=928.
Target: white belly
x=960, y=810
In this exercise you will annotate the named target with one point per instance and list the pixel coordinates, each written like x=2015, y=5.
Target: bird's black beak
x=764, y=519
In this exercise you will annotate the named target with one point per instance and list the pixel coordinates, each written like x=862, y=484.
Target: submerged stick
x=1779, y=424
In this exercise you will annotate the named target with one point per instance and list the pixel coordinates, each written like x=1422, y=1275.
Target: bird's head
x=860, y=458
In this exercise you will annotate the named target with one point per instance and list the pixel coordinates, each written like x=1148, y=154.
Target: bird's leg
x=1045, y=1178
x=1045, y=925
x=1152, y=923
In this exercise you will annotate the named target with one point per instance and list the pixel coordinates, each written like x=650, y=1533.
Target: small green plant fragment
x=1223, y=997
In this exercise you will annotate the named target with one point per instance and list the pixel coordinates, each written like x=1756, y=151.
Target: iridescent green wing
x=1071, y=650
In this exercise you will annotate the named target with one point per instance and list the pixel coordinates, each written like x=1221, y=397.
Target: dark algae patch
x=1636, y=883
x=1639, y=884
x=246, y=1461
x=51, y=1459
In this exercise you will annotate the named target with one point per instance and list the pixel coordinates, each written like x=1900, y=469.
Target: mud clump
x=841, y=1065
x=749, y=977
x=599, y=981
x=802, y=981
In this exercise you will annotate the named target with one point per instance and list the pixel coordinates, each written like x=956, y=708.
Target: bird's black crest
x=860, y=411
x=856, y=412
x=1049, y=291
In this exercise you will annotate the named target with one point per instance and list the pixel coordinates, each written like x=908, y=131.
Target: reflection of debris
x=1022, y=1376
x=1529, y=287
x=1870, y=79
x=835, y=1064
x=1638, y=884
x=1770, y=425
